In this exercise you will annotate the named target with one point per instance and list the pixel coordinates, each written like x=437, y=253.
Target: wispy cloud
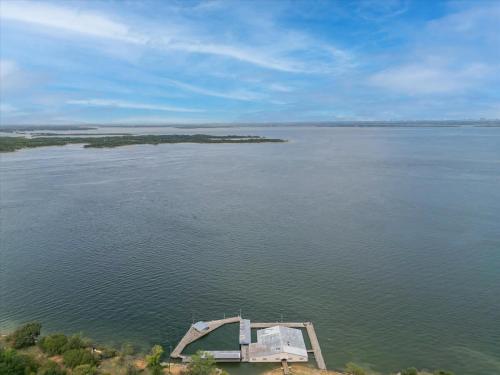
x=7, y=108
x=9, y=76
x=67, y=19
x=248, y=55
x=220, y=60
x=129, y=105
x=450, y=56
x=98, y=25
x=280, y=87
x=7, y=69
x=427, y=78
x=244, y=95
x=18, y=82
x=380, y=11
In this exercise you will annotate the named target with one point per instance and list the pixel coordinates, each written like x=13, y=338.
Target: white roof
x=245, y=332
x=278, y=339
x=200, y=326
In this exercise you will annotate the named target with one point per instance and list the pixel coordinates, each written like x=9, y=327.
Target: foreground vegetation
x=9, y=144
x=25, y=352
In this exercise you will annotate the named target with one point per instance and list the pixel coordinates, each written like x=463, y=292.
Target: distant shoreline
x=11, y=144
x=224, y=125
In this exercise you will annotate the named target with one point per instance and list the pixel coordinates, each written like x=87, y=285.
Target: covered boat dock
x=202, y=328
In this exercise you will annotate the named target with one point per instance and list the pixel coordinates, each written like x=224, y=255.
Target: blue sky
x=248, y=61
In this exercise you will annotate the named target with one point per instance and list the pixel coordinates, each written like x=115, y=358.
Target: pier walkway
x=311, y=332
x=193, y=334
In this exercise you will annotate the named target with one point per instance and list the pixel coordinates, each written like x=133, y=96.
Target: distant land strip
x=10, y=144
x=75, y=134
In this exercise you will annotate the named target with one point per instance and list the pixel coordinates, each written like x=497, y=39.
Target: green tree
x=409, y=371
x=154, y=359
x=201, y=363
x=51, y=368
x=353, y=369
x=74, y=342
x=85, y=370
x=53, y=344
x=25, y=335
x=76, y=357
x=12, y=363
x=443, y=372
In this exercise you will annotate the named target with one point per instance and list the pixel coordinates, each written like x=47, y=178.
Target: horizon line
x=236, y=123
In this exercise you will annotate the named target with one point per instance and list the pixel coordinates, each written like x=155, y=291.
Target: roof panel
x=278, y=339
x=245, y=332
x=200, y=326
x=224, y=354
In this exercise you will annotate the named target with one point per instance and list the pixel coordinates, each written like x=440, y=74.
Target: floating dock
x=201, y=329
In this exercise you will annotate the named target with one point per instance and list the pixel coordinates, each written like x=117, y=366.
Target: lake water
x=387, y=239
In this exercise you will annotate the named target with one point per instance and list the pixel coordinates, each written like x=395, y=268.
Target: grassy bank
x=9, y=144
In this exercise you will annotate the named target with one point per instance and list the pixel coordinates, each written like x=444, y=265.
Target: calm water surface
x=387, y=239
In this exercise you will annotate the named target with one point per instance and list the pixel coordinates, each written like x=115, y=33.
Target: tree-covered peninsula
x=9, y=144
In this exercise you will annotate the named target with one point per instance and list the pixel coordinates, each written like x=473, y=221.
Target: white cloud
x=7, y=68
x=14, y=79
x=100, y=26
x=244, y=95
x=428, y=79
x=280, y=87
x=129, y=105
x=470, y=21
x=251, y=56
x=452, y=55
x=67, y=19
x=374, y=10
x=7, y=108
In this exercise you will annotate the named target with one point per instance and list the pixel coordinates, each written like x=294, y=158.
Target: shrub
x=85, y=370
x=354, y=369
x=201, y=364
x=74, y=342
x=12, y=363
x=443, y=372
x=53, y=344
x=154, y=359
x=409, y=371
x=25, y=336
x=108, y=353
x=51, y=368
x=76, y=357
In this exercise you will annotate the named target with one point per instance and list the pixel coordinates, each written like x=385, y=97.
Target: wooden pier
x=311, y=332
x=193, y=334
x=284, y=367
